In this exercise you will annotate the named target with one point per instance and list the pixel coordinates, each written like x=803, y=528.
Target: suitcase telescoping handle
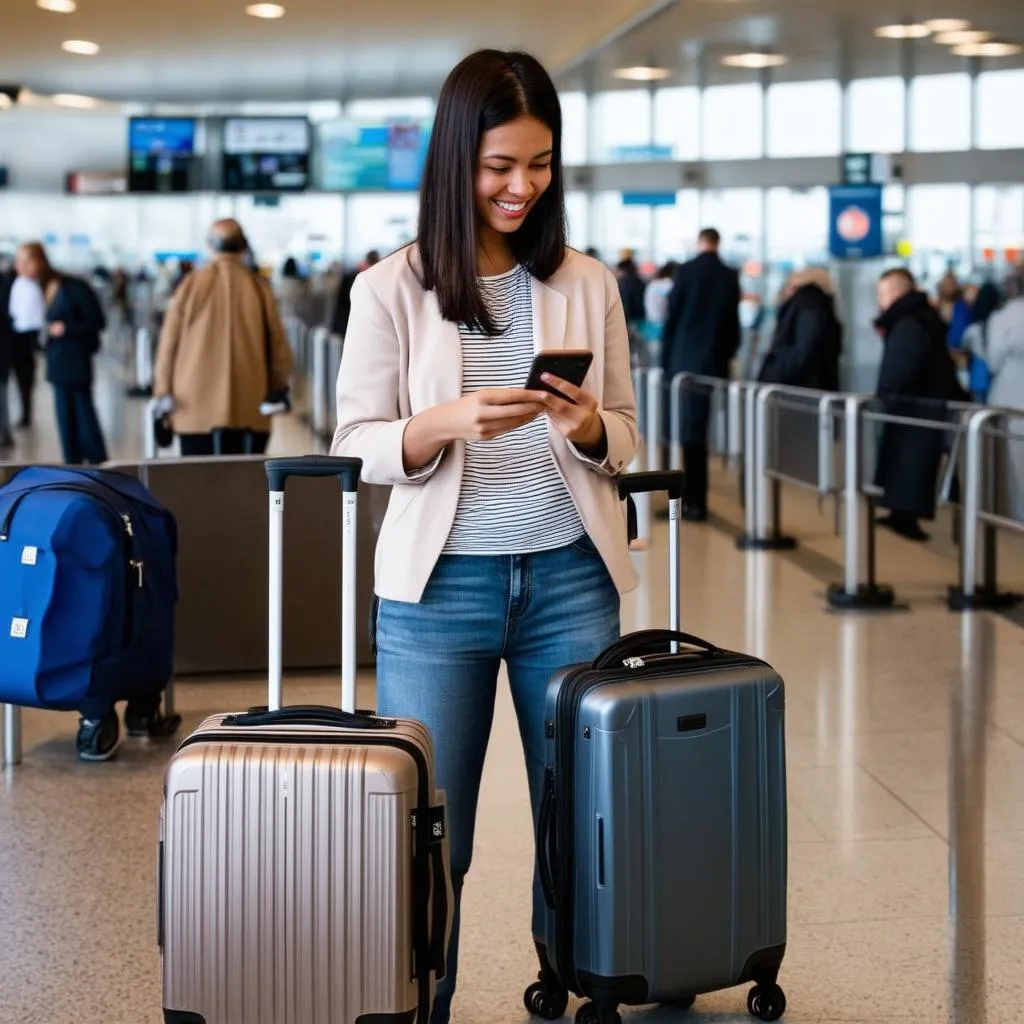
x=672, y=482
x=278, y=472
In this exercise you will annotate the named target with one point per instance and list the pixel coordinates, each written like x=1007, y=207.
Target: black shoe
x=150, y=723
x=25, y=425
x=905, y=526
x=695, y=513
x=98, y=738
x=6, y=441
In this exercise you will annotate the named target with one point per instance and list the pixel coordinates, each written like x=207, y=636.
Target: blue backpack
x=88, y=587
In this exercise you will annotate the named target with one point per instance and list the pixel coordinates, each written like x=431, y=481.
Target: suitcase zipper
x=126, y=532
x=424, y=944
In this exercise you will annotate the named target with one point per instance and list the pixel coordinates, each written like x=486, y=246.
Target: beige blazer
x=402, y=357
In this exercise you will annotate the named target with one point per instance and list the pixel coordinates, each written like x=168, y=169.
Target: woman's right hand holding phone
x=479, y=416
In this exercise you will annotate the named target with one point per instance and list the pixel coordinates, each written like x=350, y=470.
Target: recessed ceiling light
x=947, y=24
x=58, y=6
x=755, y=60
x=990, y=49
x=959, y=38
x=81, y=46
x=642, y=74
x=5, y=101
x=68, y=99
x=265, y=11
x=912, y=31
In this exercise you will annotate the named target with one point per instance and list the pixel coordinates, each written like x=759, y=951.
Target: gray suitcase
x=662, y=830
x=303, y=859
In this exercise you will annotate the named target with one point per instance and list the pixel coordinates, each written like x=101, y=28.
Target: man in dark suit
x=916, y=379
x=701, y=335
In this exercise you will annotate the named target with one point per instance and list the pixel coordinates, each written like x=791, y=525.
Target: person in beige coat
x=222, y=352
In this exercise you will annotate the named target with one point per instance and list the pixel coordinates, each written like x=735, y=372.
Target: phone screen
x=568, y=365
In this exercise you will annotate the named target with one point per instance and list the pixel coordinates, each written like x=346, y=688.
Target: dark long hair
x=487, y=89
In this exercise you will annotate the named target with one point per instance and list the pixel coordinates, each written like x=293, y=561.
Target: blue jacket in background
x=69, y=358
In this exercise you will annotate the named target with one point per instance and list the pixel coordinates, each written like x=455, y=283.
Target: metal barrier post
x=676, y=415
x=749, y=468
x=858, y=589
x=969, y=595
x=143, y=386
x=318, y=404
x=12, y=735
x=766, y=496
x=655, y=376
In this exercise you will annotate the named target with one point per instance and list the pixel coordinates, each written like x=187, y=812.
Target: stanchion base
x=778, y=543
x=139, y=392
x=981, y=600
x=867, y=596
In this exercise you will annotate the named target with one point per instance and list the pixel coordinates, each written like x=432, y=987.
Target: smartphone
x=569, y=364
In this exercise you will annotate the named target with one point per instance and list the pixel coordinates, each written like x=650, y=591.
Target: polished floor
x=906, y=800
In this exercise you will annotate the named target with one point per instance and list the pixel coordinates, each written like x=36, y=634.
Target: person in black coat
x=916, y=379
x=808, y=339
x=74, y=320
x=632, y=289
x=701, y=335
x=343, y=304
x=6, y=356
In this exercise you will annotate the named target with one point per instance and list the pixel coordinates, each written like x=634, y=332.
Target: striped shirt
x=513, y=498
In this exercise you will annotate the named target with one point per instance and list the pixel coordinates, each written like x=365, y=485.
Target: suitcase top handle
x=637, y=483
x=650, y=641
x=311, y=714
x=278, y=470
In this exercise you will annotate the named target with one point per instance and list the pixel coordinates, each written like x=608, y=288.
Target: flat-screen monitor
x=265, y=154
x=161, y=154
x=363, y=155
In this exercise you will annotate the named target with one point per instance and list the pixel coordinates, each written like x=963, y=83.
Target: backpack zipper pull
x=127, y=520
x=137, y=564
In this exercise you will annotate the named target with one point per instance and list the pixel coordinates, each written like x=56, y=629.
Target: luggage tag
x=29, y=555
x=19, y=628
x=435, y=822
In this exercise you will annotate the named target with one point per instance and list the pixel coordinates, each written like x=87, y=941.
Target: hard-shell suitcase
x=303, y=858
x=662, y=831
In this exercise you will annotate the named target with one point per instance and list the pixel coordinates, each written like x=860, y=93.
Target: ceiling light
x=912, y=31
x=68, y=99
x=58, y=6
x=990, y=49
x=755, y=60
x=947, y=24
x=5, y=102
x=642, y=74
x=265, y=11
x=959, y=38
x=81, y=46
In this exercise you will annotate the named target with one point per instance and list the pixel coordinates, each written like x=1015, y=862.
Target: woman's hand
x=577, y=416
x=57, y=329
x=478, y=416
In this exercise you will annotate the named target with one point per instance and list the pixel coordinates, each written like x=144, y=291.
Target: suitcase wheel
x=767, y=1002
x=588, y=1013
x=546, y=1002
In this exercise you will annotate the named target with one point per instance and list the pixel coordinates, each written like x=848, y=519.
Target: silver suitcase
x=662, y=830
x=303, y=858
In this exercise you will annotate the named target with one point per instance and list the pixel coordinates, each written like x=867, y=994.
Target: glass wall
x=804, y=119
x=876, y=115
x=940, y=113
x=731, y=122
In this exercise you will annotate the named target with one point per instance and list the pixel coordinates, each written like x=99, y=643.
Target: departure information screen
x=161, y=154
x=266, y=154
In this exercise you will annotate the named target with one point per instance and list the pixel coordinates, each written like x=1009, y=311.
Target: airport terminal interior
x=840, y=137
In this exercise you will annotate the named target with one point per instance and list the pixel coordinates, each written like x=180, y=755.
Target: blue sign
x=641, y=154
x=172, y=136
x=855, y=222
x=648, y=199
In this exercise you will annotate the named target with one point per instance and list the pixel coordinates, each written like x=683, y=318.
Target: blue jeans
x=438, y=662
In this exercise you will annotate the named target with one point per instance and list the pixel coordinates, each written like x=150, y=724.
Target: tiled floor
x=906, y=786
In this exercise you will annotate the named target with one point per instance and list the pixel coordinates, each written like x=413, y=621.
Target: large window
x=618, y=226
x=940, y=113
x=676, y=227
x=574, y=128
x=804, y=119
x=738, y=214
x=796, y=225
x=382, y=222
x=939, y=218
x=677, y=121
x=620, y=120
x=412, y=106
x=731, y=122
x=1000, y=119
x=577, y=212
x=999, y=223
x=876, y=115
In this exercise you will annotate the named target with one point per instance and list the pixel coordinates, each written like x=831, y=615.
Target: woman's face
x=513, y=172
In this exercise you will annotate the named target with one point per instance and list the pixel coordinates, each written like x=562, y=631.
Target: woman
x=74, y=320
x=292, y=291
x=1006, y=363
x=808, y=337
x=504, y=537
